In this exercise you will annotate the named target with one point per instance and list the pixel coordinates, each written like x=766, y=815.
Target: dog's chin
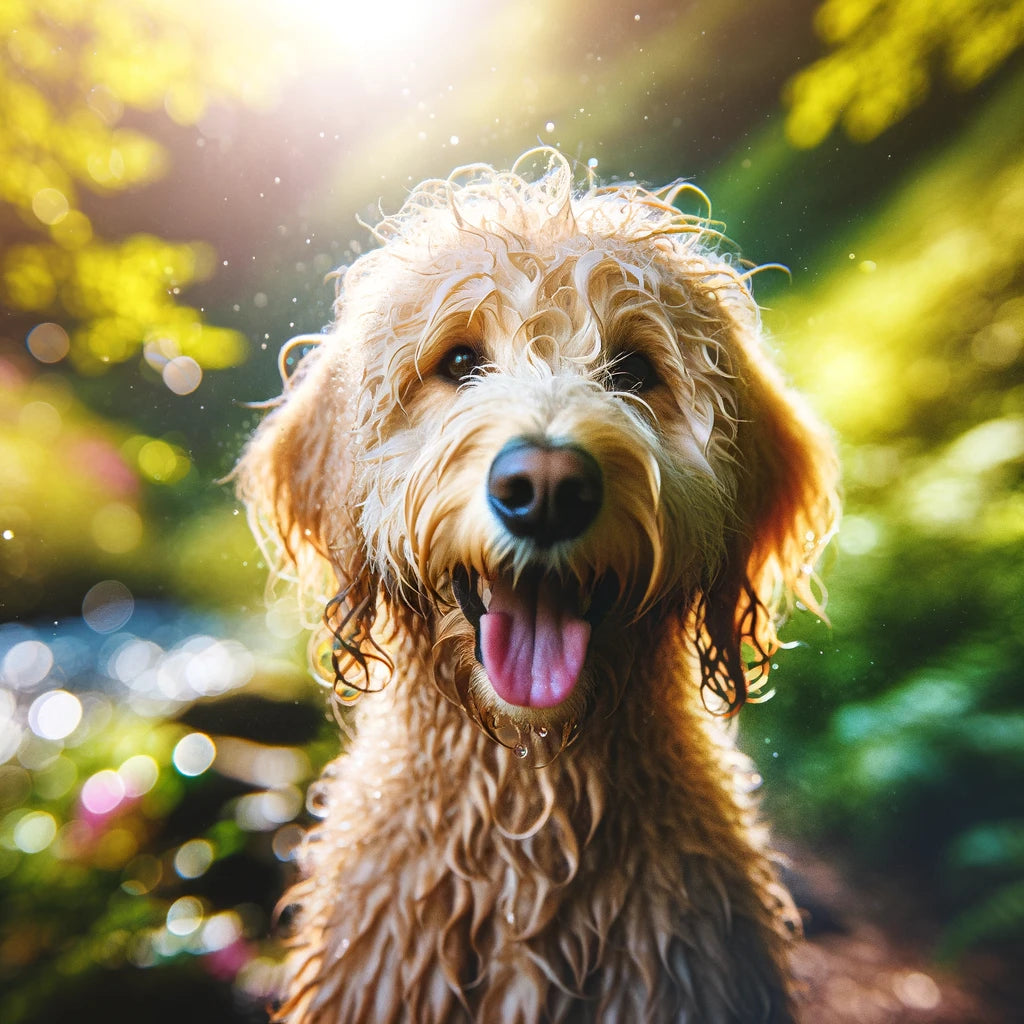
x=499, y=712
x=532, y=640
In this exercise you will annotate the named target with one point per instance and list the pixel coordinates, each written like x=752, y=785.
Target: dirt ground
x=867, y=958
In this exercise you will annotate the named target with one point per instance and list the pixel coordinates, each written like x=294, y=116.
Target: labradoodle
x=561, y=499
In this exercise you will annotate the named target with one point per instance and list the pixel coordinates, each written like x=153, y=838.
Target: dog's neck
x=412, y=742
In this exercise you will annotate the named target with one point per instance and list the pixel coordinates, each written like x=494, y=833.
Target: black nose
x=546, y=492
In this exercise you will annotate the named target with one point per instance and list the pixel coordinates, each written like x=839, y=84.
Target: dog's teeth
x=485, y=596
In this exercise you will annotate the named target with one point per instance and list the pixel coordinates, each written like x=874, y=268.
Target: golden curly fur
x=540, y=814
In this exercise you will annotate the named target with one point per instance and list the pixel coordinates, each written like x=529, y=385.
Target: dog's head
x=542, y=423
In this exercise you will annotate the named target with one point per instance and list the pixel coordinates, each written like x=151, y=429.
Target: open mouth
x=532, y=633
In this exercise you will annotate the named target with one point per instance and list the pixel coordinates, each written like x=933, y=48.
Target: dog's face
x=548, y=452
x=537, y=425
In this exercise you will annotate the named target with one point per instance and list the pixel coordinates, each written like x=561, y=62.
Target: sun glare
x=377, y=33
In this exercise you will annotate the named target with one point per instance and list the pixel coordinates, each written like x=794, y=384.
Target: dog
x=559, y=499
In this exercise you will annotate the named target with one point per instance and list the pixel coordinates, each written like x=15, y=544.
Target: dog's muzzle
x=533, y=628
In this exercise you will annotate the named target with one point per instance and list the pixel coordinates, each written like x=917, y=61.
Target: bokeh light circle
x=55, y=715
x=194, y=754
x=50, y=205
x=139, y=774
x=35, y=831
x=184, y=916
x=182, y=375
x=103, y=792
x=221, y=930
x=49, y=343
x=116, y=527
x=27, y=663
x=193, y=858
x=107, y=606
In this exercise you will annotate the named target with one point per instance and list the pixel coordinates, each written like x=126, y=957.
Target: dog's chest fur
x=449, y=881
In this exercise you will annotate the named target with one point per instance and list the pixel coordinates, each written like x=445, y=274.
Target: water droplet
x=322, y=661
x=348, y=694
x=316, y=801
x=520, y=750
x=542, y=731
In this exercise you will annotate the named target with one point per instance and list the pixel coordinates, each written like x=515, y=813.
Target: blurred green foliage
x=171, y=180
x=902, y=728
x=885, y=54
x=102, y=521
x=70, y=73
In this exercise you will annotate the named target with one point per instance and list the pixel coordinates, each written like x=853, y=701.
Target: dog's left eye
x=633, y=372
x=459, y=363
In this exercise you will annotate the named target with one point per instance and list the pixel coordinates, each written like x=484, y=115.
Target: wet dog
x=558, y=498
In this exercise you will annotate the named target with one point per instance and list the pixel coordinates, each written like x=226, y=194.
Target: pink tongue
x=532, y=642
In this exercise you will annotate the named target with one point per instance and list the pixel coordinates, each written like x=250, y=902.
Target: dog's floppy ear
x=295, y=478
x=785, y=512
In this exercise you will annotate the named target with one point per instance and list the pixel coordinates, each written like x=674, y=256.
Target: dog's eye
x=458, y=363
x=632, y=372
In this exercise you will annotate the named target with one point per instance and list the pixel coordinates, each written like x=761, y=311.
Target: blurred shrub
x=78, y=505
x=884, y=57
x=900, y=732
x=71, y=74
x=70, y=507
x=216, y=562
x=147, y=815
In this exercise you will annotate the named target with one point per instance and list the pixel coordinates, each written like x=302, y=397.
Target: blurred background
x=176, y=179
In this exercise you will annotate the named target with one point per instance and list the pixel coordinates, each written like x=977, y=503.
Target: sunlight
x=379, y=33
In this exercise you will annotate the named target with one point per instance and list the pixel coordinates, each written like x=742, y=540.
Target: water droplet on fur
x=348, y=695
x=750, y=782
x=322, y=661
x=316, y=801
x=520, y=750
x=542, y=731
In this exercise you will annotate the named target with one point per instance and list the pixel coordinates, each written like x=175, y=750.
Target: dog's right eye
x=632, y=372
x=459, y=363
